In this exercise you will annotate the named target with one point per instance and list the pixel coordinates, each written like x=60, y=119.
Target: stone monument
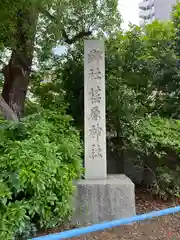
x=94, y=110
x=99, y=197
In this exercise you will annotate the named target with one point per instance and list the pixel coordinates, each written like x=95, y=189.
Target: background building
x=149, y=10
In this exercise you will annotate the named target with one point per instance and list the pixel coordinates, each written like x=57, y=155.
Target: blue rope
x=98, y=227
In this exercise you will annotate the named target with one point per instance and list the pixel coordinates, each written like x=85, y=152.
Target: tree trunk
x=7, y=111
x=16, y=80
x=17, y=72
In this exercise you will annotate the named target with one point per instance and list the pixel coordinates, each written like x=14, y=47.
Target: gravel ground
x=163, y=228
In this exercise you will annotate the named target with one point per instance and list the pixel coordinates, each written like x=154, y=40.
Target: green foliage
x=73, y=83
x=167, y=184
x=124, y=101
x=142, y=90
x=176, y=23
x=58, y=21
x=141, y=71
x=39, y=159
x=158, y=136
x=47, y=88
x=73, y=18
x=41, y=156
x=158, y=139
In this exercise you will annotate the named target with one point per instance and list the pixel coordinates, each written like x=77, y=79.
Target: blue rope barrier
x=98, y=227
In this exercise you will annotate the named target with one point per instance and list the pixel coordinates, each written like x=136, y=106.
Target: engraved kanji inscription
x=95, y=74
x=95, y=113
x=95, y=95
x=94, y=55
x=96, y=151
x=95, y=132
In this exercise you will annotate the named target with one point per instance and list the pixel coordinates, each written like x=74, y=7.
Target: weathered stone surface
x=94, y=110
x=97, y=201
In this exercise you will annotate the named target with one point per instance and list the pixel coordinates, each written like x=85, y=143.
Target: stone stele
x=99, y=197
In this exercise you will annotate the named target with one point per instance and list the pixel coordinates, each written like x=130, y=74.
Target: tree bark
x=7, y=111
x=16, y=80
x=17, y=72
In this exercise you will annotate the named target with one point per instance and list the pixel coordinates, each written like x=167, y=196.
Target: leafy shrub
x=159, y=139
x=156, y=136
x=39, y=158
x=167, y=184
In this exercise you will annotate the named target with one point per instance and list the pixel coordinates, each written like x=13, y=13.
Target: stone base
x=97, y=201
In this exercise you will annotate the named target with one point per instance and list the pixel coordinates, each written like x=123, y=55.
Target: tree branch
x=68, y=40
x=76, y=37
x=48, y=15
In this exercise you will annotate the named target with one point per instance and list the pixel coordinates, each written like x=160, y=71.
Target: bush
x=159, y=140
x=39, y=158
x=167, y=184
x=157, y=136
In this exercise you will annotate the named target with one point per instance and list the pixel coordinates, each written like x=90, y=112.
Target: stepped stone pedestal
x=97, y=201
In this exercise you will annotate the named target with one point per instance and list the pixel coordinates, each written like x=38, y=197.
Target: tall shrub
x=39, y=158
